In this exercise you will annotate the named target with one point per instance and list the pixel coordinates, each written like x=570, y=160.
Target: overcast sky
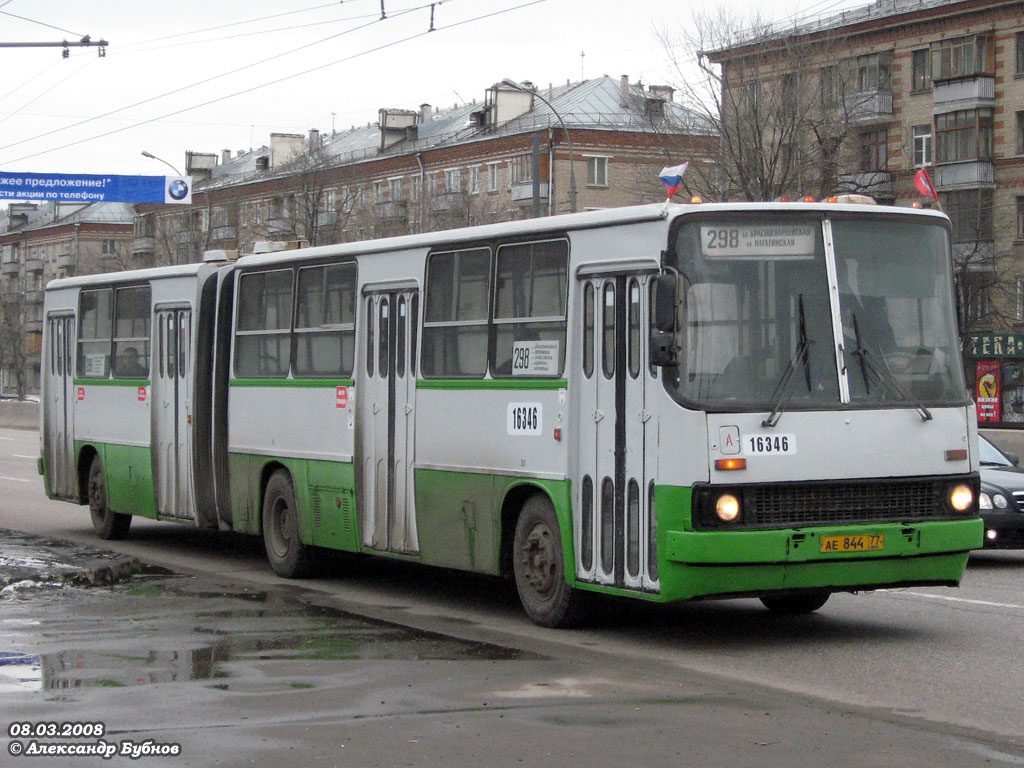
x=337, y=63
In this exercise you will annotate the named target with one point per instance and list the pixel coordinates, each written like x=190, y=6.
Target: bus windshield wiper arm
x=780, y=398
x=884, y=376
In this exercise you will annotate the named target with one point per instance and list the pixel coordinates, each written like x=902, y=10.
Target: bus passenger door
x=59, y=437
x=613, y=487
x=387, y=498
x=171, y=413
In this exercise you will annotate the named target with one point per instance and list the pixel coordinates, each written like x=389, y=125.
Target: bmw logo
x=178, y=189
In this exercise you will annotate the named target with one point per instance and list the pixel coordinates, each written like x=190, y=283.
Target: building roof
x=53, y=214
x=594, y=104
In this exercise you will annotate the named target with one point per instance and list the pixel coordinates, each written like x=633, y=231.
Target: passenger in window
x=131, y=366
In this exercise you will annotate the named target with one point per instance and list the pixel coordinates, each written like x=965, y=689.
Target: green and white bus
x=662, y=402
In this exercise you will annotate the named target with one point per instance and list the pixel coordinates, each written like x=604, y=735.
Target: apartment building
x=592, y=144
x=39, y=242
x=935, y=84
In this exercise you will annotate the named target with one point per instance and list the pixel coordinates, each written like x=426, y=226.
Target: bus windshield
x=757, y=321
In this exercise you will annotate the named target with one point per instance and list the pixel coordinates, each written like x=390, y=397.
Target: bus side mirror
x=665, y=303
x=663, y=350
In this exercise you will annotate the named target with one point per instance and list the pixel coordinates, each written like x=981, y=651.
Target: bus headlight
x=727, y=507
x=961, y=497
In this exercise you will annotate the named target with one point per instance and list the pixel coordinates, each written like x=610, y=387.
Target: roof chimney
x=314, y=138
x=225, y=155
x=426, y=113
x=624, y=91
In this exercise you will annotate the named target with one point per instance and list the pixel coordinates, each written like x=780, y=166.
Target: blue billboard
x=95, y=188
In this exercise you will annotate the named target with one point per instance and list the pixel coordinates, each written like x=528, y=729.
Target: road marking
x=15, y=479
x=11, y=439
x=988, y=603
x=22, y=456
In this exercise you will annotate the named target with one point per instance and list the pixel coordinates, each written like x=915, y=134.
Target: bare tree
x=780, y=107
x=12, y=338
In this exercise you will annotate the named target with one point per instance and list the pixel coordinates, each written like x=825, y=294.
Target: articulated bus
x=663, y=402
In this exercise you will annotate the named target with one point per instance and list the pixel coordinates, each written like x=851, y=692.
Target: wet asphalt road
x=923, y=677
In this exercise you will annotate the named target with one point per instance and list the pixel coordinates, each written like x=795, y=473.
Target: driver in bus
x=131, y=364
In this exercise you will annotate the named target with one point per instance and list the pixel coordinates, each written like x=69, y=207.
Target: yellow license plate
x=863, y=542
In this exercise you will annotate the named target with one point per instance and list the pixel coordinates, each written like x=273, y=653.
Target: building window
x=1020, y=133
x=970, y=213
x=416, y=185
x=521, y=169
x=379, y=194
x=1020, y=53
x=109, y=248
x=921, y=73
x=453, y=180
x=474, y=180
x=831, y=86
x=874, y=73
x=395, y=188
x=597, y=171
x=492, y=177
x=330, y=200
x=874, y=151
x=962, y=57
x=923, y=146
x=1020, y=299
x=1020, y=218
x=964, y=135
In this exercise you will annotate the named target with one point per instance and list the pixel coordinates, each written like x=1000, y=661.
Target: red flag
x=924, y=185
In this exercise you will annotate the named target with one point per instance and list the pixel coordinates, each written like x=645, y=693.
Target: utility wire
x=277, y=81
x=197, y=83
x=40, y=23
x=89, y=60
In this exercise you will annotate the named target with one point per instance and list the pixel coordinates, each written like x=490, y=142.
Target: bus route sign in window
x=758, y=241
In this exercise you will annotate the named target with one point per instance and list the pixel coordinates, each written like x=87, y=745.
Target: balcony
x=10, y=268
x=969, y=174
x=446, y=201
x=33, y=297
x=523, y=193
x=33, y=326
x=974, y=252
x=66, y=261
x=392, y=211
x=144, y=245
x=869, y=107
x=227, y=232
x=34, y=265
x=874, y=183
x=966, y=93
x=279, y=226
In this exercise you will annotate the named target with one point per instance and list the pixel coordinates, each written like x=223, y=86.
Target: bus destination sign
x=757, y=241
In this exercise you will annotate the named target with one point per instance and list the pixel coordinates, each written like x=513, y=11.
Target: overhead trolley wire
x=276, y=81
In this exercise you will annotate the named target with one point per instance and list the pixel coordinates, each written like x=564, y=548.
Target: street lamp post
x=151, y=156
x=568, y=139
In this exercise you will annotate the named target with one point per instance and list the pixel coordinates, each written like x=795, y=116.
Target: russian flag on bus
x=673, y=178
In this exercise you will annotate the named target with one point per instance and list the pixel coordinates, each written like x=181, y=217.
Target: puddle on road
x=160, y=629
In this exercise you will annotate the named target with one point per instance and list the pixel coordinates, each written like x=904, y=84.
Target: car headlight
x=1000, y=501
x=961, y=497
x=984, y=501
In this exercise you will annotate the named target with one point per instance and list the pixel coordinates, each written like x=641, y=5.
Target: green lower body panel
x=695, y=564
x=324, y=494
x=128, y=472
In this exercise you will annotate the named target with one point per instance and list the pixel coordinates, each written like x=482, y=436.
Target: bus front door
x=614, y=485
x=171, y=414
x=387, y=502
x=59, y=437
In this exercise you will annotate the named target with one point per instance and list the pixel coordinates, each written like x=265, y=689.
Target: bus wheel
x=539, y=566
x=793, y=605
x=288, y=556
x=109, y=525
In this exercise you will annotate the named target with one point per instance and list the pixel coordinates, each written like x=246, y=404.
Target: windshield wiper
x=780, y=398
x=884, y=376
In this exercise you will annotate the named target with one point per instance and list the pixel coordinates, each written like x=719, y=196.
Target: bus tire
x=109, y=525
x=288, y=556
x=795, y=605
x=539, y=566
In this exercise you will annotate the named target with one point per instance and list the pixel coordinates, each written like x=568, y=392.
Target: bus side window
x=634, y=328
x=161, y=346
x=588, y=330
x=400, y=338
x=371, y=350
x=95, y=312
x=325, y=321
x=530, y=309
x=455, y=313
x=172, y=346
x=263, y=324
x=608, y=331
x=382, y=338
x=184, y=343
x=414, y=330
x=131, y=332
